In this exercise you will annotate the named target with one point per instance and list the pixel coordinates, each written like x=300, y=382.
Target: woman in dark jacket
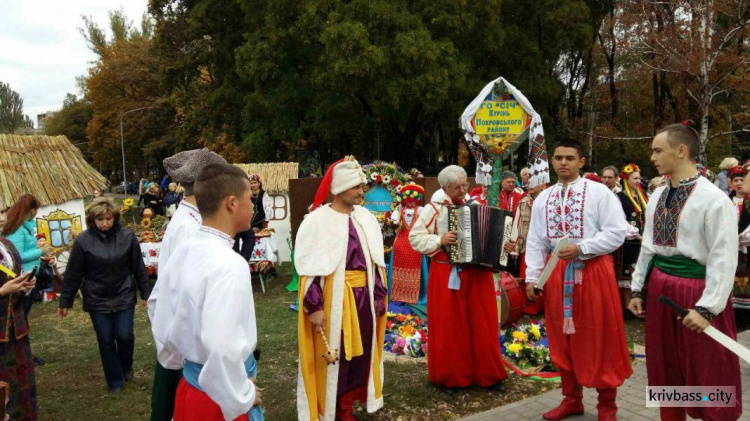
x=153, y=201
x=108, y=257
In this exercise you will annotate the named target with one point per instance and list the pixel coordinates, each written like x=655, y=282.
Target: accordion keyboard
x=465, y=247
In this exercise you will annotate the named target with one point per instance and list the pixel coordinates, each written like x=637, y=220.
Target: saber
x=551, y=264
x=711, y=331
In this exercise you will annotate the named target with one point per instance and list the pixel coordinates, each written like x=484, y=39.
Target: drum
x=510, y=293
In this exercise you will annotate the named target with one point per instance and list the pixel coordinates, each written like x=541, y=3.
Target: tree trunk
x=704, y=136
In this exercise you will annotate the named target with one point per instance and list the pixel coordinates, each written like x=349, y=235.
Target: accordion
x=482, y=233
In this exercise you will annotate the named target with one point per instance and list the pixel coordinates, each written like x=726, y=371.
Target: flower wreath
x=629, y=169
x=391, y=177
x=637, y=198
x=387, y=175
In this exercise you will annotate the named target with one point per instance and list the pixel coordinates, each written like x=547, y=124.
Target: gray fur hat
x=184, y=166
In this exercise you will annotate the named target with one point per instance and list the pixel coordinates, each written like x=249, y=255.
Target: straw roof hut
x=274, y=176
x=49, y=167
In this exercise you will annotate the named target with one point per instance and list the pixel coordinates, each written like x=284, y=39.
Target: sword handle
x=676, y=307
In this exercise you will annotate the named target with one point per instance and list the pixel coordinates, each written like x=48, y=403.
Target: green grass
x=71, y=385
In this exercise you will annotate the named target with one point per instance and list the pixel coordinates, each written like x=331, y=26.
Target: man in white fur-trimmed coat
x=339, y=257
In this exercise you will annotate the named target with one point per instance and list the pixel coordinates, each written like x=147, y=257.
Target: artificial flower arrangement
x=525, y=346
x=406, y=334
x=387, y=175
x=390, y=177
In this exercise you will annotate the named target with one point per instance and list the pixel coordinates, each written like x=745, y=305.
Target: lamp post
x=122, y=147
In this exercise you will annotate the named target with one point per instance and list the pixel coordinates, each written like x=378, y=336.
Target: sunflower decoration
x=629, y=169
x=129, y=202
x=124, y=209
x=146, y=223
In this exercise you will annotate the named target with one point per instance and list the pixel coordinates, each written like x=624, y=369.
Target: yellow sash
x=350, y=317
x=313, y=368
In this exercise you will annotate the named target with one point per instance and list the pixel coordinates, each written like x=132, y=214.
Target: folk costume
x=477, y=194
x=16, y=364
x=689, y=255
x=522, y=222
x=509, y=200
x=462, y=310
x=741, y=292
x=582, y=305
x=183, y=168
x=263, y=249
x=206, y=315
x=341, y=265
x=737, y=199
x=407, y=271
x=634, y=206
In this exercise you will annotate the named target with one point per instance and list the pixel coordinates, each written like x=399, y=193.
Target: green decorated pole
x=493, y=192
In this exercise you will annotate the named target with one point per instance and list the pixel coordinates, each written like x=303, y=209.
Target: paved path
x=631, y=398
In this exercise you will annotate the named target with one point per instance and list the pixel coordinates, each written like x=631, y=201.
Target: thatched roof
x=49, y=167
x=274, y=176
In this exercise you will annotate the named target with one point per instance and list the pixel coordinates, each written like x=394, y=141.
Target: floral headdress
x=737, y=171
x=638, y=199
x=629, y=169
x=411, y=193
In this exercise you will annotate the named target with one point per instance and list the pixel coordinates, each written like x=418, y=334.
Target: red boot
x=607, y=406
x=672, y=414
x=572, y=404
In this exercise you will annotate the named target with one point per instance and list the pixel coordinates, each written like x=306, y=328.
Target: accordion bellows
x=482, y=234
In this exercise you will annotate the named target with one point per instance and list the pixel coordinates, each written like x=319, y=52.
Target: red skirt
x=464, y=343
x=192, y=404
x=597, y=353
x=677, y=356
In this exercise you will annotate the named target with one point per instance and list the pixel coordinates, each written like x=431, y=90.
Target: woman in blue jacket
x=20, y=229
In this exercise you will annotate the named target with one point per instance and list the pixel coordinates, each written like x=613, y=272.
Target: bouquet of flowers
x=406, y=335
x=526, y=346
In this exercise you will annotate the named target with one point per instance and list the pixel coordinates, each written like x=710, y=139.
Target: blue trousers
x=116, y=339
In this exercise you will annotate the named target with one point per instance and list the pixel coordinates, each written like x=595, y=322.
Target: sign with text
x=500, y=118
x=378, y=199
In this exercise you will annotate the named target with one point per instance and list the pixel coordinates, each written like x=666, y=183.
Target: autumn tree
x=702, y=41
x=12, y=117
x=71, y=120
x=126, y=77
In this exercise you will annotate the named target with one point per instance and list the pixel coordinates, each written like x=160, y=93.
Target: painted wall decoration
x=60, y=224
x=280, y=221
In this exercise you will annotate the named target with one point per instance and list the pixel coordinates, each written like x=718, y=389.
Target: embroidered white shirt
x=590, y=215
x=701, y=225
x=184, y=224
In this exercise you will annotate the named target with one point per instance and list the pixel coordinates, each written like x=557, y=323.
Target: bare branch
x=742, y=130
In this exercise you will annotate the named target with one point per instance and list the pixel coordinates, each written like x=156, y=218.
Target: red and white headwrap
x=340, y=177
x=737, y=171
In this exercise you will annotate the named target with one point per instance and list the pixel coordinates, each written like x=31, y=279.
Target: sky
x=41, y=50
